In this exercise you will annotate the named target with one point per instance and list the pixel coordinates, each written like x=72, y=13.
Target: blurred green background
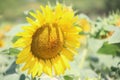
x=15, y=10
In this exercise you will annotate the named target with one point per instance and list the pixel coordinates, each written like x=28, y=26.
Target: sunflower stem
x=84, y=55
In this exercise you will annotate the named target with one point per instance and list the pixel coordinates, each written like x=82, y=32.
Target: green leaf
x=68, y=77
x=22, y=77
x=10, y=51
x=15, y=39
x=13, y=51
x=5, y=51
x=93, y=59
x=109, y=49
x=11, y=69
x=114, y=68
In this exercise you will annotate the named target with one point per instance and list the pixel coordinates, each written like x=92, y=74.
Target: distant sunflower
x=86, y=28
x=49, y=42
x=1, y=43
x=85, y=25
x=1, y=39
x=118, y=23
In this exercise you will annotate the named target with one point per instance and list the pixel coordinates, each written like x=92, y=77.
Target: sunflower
x=49, y=42
x=118, y=23
x=1, y=39
x=85, y=25
x=1, y=43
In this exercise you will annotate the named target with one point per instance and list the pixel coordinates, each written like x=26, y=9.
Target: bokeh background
x=89, y=64
x=15, y=10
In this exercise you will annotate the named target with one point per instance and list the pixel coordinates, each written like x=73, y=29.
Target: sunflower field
x=59, y=40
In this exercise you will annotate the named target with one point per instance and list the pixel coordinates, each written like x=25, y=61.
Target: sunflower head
x=85, y=25
x=50, y=41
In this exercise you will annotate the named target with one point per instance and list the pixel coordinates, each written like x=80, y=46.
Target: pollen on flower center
x=47, y=41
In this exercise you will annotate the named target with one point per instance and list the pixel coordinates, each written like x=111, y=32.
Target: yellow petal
x=22, y=42
x=24, y=34
x=24, y=52
x=73, y=43
x=35, y=69
x=69, y=29
x=19, y=43
x=33, y=23
x=43, y=10
x=41, y=65
x=40, y=18
x=32, y=65
x=49, y=15
x=58, y=11
x=67, y=54
x=58, y=66
x=54, y=62
x=29, y=62
x=22, y=59
x=71, y=48
x=48, y=68
x=29, y=28
x=65, y=61
x=33, y=14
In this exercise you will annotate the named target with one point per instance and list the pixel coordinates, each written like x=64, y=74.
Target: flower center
x=47, y=41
